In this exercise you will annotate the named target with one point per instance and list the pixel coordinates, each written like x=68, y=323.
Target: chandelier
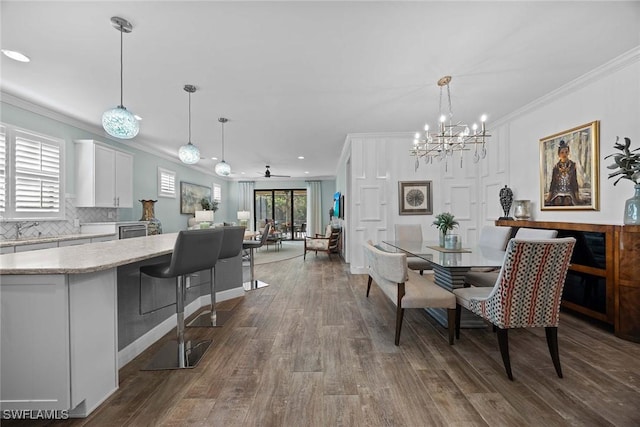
x=451, y=137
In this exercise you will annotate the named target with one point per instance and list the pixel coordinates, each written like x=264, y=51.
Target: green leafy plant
x=627, y=163
x=445, y=222
x=208, y=205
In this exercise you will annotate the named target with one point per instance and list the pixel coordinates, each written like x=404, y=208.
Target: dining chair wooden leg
x=552, y=342
x=369, y=285
x=458, y=316
x=451, y=323
x=399, y=317
x=503, y=343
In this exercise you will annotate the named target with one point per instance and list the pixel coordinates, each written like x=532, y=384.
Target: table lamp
x=244, y=217
x=204, y=218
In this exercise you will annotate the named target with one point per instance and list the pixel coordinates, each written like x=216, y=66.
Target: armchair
x=527, y=293
x=327, y=243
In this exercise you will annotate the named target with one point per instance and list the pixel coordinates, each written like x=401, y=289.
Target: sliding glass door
x=287, y=209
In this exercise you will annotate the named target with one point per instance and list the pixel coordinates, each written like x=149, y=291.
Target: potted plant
x=445, y=222
x=208, y=205
x=627, y=166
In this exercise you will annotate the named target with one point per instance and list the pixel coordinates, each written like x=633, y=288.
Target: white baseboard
x=131, y=351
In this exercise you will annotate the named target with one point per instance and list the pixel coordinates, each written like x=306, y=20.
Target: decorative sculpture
x=506, y=198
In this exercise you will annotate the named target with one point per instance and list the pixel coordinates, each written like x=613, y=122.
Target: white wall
x=610, y=94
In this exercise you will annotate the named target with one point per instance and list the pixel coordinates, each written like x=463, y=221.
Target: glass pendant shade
x=120, y=123
x=223, y=168
x=189, y=154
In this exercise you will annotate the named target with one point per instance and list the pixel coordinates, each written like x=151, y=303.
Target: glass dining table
x=449, y=268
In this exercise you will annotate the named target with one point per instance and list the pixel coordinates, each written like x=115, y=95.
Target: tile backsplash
x=56, y=228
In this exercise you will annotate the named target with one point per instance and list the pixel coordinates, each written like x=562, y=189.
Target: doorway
x=286, y=208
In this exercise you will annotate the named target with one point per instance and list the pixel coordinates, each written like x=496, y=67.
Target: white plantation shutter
x=217, y=193
x=166, y=183
x=37, y=172
x=3, y=168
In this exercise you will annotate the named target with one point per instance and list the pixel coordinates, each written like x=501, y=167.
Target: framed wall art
x=415, y=198
x=190, y=196
x=569, y=169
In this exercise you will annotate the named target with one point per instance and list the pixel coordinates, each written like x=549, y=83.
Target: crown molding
x=622, y=61
x=139, y=143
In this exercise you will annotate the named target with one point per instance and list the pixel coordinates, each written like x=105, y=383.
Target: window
x=166, y=183
x=31, y=167
x=217, y=193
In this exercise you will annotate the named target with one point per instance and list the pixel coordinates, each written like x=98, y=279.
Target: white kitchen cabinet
x=104, y=176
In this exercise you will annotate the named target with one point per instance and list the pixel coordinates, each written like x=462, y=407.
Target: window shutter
x=3, y=167
x=217, y=193
x=166, y=183
x=37, y=173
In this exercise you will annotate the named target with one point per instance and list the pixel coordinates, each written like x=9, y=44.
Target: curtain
x=245, y=198
x=314, y=208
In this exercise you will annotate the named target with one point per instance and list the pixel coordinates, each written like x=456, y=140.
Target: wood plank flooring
x=312, y=350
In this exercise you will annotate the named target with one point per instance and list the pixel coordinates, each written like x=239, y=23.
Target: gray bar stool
x=194, y=250
x=251, y=245
x=231, y=247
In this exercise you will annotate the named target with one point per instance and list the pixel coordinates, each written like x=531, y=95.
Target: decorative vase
x=154, y=225
x=632, y=208
x=506, y=198
x=522, y=209
x=441, y=235
x=452, y=242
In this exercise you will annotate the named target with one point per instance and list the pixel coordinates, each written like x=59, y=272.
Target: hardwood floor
x=311, y=350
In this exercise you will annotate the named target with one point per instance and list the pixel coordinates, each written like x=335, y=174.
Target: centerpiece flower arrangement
x=627, y=166
x=445, y=222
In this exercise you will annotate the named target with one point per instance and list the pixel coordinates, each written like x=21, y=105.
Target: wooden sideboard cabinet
x=604, y=277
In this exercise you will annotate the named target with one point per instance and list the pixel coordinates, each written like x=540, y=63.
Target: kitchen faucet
x=21, y=226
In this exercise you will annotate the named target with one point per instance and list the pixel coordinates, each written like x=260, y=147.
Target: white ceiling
x=294, y=78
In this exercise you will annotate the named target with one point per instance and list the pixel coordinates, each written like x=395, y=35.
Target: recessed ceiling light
x=137, y=117
x=214, y=158
x=301, y=157
x=306, y=172
x=16, y=56
x=242, y=173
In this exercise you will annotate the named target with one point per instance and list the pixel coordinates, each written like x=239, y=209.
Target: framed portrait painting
x=415, y=198
x=190, y=196
x=569, y=169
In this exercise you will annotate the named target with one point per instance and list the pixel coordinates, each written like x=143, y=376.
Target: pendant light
x=118, y=122
x=189, y=153
x=223, y=168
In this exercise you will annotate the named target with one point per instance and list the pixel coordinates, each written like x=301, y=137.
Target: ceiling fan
x=268, y=174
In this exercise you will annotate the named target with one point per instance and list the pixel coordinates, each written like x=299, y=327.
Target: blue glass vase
x=632, y=208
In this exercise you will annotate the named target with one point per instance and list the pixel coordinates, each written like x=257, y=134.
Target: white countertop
x=87, y=258
x=48, y=239
x=115, y=223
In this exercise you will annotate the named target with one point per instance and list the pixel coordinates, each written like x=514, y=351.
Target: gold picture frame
x=569, y=169
x=415, y=198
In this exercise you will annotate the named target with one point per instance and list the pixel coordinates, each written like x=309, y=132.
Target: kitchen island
x=63, y=309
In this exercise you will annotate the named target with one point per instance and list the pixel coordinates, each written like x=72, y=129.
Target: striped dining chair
x=526, y=294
